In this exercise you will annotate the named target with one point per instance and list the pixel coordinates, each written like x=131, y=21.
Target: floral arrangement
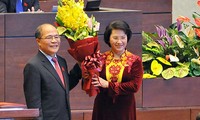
x=174, y=51
x=73, y=22
x=81, y=32
x=79, y=29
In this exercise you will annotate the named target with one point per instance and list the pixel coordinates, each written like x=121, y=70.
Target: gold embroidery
x=115, y=67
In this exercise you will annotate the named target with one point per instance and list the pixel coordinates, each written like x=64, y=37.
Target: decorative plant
x=174, y=51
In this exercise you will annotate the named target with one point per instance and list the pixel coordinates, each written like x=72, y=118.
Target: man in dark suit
x=43, y=87
x=27, y=5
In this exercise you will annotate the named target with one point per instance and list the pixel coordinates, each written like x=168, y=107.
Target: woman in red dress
x=120, y=78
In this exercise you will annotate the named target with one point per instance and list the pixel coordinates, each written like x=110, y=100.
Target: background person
x=26, y=6
x=43, y=88
x=120, y=77
x=3, y=8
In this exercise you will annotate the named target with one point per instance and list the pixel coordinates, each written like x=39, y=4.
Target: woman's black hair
x=119, y=25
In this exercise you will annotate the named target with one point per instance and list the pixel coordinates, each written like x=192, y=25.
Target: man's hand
x=33, y=10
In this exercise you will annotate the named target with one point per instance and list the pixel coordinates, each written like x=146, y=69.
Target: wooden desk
x=17, y=111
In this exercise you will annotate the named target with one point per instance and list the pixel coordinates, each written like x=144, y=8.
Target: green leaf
x=146, y=37
x=181, y=72
x=183, y=37
x=69, y=36
x=147, y=57
x=59, y=21
x=61, y=30
x=153, y=50
x=168, y=73
x=196, y=72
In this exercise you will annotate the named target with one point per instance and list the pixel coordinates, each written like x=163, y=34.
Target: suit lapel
x=50, y=68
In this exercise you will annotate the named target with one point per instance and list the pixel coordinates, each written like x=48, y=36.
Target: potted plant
x=174, y=51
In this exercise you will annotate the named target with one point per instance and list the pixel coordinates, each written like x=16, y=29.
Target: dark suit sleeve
x=32, y=85
x=74, y=76
x=3, y=8
x=36, y=5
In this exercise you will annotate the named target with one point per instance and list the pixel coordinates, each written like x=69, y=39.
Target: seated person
x=3, y=8
x=16, y=6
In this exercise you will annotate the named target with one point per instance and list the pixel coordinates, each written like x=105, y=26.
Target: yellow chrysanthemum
x=73, y=22
x=72, y=14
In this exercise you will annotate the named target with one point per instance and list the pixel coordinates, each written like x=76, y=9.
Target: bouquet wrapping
x=82, y=48
x=91, y=67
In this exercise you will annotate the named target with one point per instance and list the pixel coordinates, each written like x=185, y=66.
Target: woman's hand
x=99, y=82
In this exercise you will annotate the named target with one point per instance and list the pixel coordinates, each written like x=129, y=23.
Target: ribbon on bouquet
x=91, y=66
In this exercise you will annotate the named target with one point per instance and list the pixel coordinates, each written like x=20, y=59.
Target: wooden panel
x=163, y=114
x=77, y=115
x=2, y=63
x=88, y=115
x=135, y=46
x=11, y=105
x=194, y=113
x=16, y=26
x=2, y=25
x=144, y=5
x=18, y=52
x=150, y=20
x=147, y=6
x=27, y=114
x=174, y=92
x=47, y=5
x=133, y=18
x=15, y=21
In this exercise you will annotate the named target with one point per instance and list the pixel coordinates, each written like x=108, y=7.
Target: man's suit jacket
x=3, y=8
x=44, y=90
x=27, y=4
